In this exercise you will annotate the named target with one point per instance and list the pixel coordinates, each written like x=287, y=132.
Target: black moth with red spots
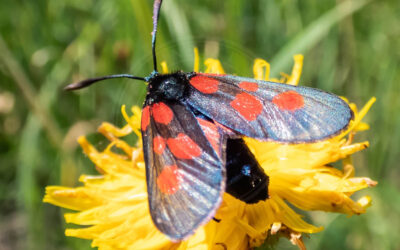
x=192, y=125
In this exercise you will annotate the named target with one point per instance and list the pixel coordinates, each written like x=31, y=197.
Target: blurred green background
x=351, y=48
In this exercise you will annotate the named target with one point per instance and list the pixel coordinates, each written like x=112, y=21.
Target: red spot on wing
x=162, y=113
x=145, y=118
x=158, y=145
x=183, y=147
x=289, y=100
x=247, y=105
x=249, y=86
x=211, y=132
x=204, y=84
x=169, y=179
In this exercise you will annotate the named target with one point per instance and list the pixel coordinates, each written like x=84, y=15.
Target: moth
x=192, y=125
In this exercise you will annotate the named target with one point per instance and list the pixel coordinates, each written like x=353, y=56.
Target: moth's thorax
x=168, y=87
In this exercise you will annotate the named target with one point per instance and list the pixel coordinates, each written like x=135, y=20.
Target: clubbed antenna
x=90, y=81
x=156, y=14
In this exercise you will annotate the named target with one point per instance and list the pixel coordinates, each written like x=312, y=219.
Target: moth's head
x=172, y=87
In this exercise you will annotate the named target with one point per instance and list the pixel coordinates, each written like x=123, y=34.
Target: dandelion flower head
x=112, y=207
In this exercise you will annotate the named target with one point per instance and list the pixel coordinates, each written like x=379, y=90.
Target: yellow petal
x=164, y=67
x=294, y=78
x=71, y=198
x=261, y=69
x=196, y=60
x=213, y=66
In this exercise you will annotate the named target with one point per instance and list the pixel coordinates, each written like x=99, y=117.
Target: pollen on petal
x=289, y=100
x=162, y=113
x=249, y=86
x=169, y=179
x=145, y=118
x=159, y=145
x=183, y=147
x=247, y=105
x=204, y=84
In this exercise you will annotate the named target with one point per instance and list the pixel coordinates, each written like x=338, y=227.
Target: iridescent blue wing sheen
x=269, y=110
x=185, y=177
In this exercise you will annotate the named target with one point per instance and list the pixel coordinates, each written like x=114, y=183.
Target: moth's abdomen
x=246, y=179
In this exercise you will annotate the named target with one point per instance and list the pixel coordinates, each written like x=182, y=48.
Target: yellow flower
x=113, y=206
